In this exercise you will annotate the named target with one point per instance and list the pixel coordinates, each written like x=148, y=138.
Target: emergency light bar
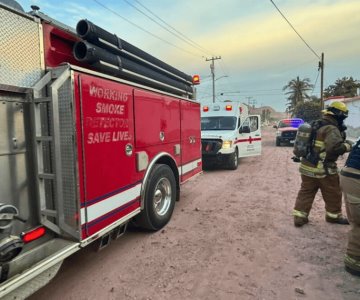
x=295, y=123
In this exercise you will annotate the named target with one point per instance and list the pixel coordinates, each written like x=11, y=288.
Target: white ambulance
x=228, y=132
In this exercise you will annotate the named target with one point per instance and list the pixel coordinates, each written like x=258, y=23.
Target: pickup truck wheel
x=233, y=160
x=159, y=201
x=277, y=142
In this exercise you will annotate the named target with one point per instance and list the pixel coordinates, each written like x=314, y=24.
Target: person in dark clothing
x=350, y=185
x=320, y=171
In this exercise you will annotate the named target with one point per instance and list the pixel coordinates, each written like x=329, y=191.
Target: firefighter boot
x=352, y=264
x=336, y=219
x=300, y=221
x=300, y=218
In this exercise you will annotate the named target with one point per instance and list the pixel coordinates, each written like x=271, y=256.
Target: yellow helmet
x=337, y=109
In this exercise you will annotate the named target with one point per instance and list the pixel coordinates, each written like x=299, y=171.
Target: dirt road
x=231, y=237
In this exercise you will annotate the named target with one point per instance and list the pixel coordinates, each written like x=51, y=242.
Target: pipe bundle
x=109, y=54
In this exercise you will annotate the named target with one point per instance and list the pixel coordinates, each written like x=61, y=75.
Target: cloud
x=256, y=44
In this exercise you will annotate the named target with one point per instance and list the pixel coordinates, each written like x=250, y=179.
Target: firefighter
x=319, y=170
x=350, y=185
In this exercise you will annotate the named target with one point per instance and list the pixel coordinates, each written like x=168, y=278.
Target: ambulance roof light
x=206, y=108
x=228, y=107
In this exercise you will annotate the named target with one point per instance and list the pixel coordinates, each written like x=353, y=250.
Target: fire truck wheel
x=233, y=160
x=159, y=202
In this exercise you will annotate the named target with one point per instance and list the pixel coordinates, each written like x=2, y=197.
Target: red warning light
x=196, y=79
x=206, y=108
x=33, y=234
x=228, y=107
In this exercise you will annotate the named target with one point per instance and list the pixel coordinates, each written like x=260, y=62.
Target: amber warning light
x=196, y=79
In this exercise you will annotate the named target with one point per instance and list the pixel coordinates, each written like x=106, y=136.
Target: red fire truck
x=94, y=133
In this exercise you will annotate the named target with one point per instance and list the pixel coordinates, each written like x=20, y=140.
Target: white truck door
x=249, y=137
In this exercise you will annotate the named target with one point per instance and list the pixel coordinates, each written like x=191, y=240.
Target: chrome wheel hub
x=162, y=196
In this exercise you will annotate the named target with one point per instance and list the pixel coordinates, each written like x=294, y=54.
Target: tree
x=308, y=111
x=297, y=92
x=345, y=86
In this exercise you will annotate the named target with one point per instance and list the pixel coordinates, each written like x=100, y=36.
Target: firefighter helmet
x=337, y=109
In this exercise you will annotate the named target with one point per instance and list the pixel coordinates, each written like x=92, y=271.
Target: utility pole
x=248, y=101
x=321, y=68
x=212, y=68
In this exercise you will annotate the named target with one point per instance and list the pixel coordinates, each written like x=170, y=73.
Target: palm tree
x=297, y=92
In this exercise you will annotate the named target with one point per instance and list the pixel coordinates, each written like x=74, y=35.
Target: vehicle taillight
x=196, y=80
x=206, y=108
x=228, y=107
x=33, y=234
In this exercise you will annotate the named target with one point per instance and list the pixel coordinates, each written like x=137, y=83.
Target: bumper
x=215, y=159
x=286, y=140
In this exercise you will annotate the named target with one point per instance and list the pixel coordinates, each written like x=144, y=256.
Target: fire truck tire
x=159, y=201
x=233, y=161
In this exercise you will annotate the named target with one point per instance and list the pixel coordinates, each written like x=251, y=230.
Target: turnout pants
x=351, y=190
x=330, y=190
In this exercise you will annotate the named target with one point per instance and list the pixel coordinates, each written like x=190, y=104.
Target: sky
x=260, y=52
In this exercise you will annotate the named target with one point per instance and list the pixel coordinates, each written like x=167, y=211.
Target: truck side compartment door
x=108, y=189
x=157, y=123
x=190, y=139
x=249, y=138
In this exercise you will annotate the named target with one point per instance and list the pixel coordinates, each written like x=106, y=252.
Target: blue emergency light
x=295, y=122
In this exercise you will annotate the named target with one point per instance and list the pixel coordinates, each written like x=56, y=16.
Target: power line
x=139, y=27
x=295, y=30
x=192, y=43
x=162, y=26
x=315, y=82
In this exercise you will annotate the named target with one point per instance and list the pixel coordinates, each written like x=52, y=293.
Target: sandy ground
x=231, y=237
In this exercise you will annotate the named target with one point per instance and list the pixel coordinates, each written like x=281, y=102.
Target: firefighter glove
x=348, y=144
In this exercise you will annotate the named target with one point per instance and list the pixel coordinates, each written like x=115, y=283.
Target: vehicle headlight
x=226, y=145
x=278, y=133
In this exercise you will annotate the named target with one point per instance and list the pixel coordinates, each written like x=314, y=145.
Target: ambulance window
x=218, y=123
x=254, y=124
x=246, y=122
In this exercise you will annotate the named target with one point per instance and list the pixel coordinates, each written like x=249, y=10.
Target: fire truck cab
x=228, y=133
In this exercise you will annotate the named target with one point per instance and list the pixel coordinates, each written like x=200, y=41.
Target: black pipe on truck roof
x=109, y=63
x=104, y=39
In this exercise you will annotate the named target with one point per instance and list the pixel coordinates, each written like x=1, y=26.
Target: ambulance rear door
x=249, y=137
